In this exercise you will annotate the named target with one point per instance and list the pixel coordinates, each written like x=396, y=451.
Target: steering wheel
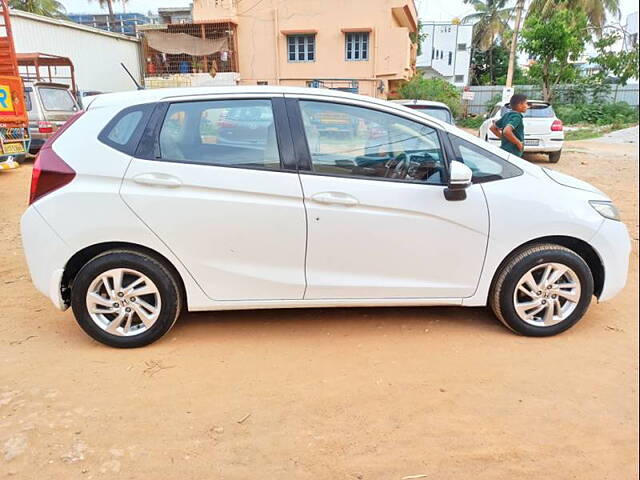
x=398, y=167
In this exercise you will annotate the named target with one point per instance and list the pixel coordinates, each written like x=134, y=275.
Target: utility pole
x=514, y=43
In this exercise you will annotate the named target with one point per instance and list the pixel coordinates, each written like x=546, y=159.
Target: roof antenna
x=138, y=86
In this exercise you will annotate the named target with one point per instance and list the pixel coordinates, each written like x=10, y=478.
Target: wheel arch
x=82, y=257
x=580, y=247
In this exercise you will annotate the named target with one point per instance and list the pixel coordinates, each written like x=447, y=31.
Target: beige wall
x=262, y=45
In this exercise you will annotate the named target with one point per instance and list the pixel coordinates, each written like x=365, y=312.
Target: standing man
x=510, y=128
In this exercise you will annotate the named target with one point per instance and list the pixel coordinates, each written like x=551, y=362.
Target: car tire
x=554, y=157
x=518, y=310
x=20, y=158
x=159, y=301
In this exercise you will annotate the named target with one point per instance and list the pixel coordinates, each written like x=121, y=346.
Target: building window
x=301, y=48
x=462, y=47
x=458, y=79
x=357, y=46
x=433, y=53
x=450, y=57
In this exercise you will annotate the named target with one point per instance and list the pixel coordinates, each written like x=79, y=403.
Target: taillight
x=50, y=172
x=45, y=127
x=557, y=126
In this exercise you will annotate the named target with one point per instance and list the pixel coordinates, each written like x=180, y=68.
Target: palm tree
x=48, y=8
x=491, y=21
x=109, y=5
x=596, y=10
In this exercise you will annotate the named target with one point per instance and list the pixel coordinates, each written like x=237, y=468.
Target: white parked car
x=138, y=211
x=438, y=110
x=543, y=130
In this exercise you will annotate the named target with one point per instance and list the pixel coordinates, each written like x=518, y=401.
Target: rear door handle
x=157, y=180
x=335, y=198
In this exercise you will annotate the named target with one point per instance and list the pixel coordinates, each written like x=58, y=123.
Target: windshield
x=57, y=99
x=536, y=110
x=440, y=113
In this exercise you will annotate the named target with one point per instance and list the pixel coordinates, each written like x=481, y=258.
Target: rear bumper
x=613, y=244
x=46, y=255
x=546, y=143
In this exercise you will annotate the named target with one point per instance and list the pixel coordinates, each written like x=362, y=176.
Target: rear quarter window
x=124, y=131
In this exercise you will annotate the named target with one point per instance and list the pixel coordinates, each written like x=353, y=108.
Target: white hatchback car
x=543, y=130
x=146, y=204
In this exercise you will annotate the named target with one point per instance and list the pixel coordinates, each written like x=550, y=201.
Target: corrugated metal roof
x=68, y=24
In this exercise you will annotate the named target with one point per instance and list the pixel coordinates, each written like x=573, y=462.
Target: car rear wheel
x=554, y=157
x=542, y=290
x=125, y=299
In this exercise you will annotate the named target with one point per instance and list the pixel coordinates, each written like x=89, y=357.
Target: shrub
x=471, y=122
x=435, y=89
x=597, y=113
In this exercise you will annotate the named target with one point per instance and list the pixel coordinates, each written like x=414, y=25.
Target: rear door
x=232, y=212
x=538, y=120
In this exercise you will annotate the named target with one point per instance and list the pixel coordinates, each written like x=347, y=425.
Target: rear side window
x=486, y=166
x=230, y=133
x=57, y=99
x=123, y=132
x=27, y=98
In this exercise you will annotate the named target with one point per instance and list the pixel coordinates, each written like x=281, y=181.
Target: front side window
x=357, y=46
x=301, y=48
x=232, y=133
x=57, y=99
x=345, y=140
x=485, y=165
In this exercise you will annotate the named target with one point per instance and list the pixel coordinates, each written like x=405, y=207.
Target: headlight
x=606, y=209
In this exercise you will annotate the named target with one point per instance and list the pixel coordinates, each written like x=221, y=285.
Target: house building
x=96, y=54
x=632, y=30
x=125, y=23
x=175, y=15
x=446, y=51
x=361, y=46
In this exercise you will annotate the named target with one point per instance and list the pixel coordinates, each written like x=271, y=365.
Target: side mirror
x=459, y=180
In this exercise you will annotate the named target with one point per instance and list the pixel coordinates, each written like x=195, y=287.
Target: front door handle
x=157, y=180
x=335, y=198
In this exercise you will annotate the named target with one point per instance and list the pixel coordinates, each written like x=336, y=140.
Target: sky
x=429, y=9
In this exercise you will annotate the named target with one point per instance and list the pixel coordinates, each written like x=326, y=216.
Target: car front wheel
x=542, y=290
x=125, y=299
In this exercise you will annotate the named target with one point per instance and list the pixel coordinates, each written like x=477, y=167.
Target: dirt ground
x=380, y=393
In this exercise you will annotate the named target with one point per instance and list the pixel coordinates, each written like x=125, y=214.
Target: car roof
x=136, y=97
x=424, y=103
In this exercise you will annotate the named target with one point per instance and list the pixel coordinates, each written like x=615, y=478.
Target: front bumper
x=613, y=245
x=46, y=255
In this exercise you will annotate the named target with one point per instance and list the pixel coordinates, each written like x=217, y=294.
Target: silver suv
x=49, y=106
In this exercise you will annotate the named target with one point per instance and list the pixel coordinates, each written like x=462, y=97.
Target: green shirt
x=515, y=119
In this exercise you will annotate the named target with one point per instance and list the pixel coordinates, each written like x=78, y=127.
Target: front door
x=379, y=224
x=220, y=199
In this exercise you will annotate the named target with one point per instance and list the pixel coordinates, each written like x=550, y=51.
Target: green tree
x=436, y=89
x=490, y=67
x=621, y=64
x=596, y=10
x=491, y=21
x=553, y=43
x=48, y=8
